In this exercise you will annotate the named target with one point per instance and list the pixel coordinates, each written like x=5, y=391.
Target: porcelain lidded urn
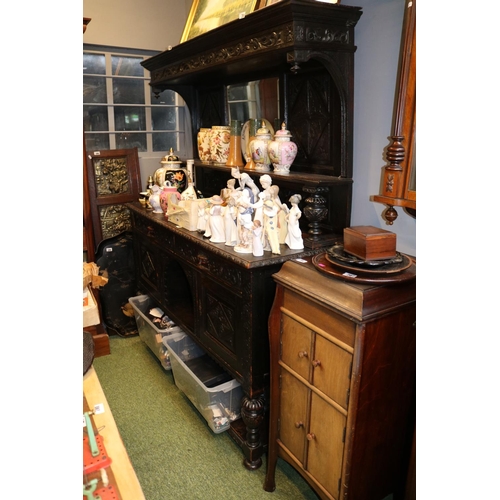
x=282, y=151
x=172, y=171
x=259, y=148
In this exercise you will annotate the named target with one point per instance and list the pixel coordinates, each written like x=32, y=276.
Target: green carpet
x=174, y=452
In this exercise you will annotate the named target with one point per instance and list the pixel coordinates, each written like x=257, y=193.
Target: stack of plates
x=337, y=262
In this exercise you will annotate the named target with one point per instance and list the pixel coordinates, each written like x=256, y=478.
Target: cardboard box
x=185, y=214
x=369, y=242
x=90, y=311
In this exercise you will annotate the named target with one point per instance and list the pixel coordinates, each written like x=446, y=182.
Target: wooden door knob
x=299, y=424
x=302, y=354
x=311, y=436
x=316, y=363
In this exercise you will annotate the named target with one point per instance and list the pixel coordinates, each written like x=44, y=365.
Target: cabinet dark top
x=246, y=261
x=270, y=39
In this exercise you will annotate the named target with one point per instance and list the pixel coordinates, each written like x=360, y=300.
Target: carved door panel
x=294, y=414
x=296, y=345
x=332, y=370
x=325, y=444
x=149, y=267
x=114, y=179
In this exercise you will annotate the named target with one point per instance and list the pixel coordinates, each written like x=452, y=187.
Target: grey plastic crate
x=148, y=332
x=218, y=402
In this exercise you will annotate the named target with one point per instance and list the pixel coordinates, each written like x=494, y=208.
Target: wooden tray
x=323, y=265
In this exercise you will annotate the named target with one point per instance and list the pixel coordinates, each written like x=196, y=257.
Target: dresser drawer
x=320, y=317
x=154, y=232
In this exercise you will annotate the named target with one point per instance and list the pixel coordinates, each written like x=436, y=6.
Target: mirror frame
x=400, y=154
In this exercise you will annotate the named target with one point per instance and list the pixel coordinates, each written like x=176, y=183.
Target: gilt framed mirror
x=398, y=187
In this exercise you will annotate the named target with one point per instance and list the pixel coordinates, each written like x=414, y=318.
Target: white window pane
x=128, y=140
x=94, y=89
x=127, y=66
x=128, y=91
x=94, y=64
x=95, y=118
x=165, y=97
x=163, y=141
x=96, y=142
x=130, y=118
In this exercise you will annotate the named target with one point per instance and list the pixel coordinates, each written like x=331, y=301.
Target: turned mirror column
x=398, y=187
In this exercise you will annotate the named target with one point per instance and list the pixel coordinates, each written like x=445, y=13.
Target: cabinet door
x=331, y=370
x=326, y=444
x=296, y=345
x=149, y=266
x=293, y=414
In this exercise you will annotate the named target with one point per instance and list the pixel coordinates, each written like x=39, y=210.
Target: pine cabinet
x=342, y=383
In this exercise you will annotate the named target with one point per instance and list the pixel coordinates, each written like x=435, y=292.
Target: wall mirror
x=399, y=186
x=256, y=99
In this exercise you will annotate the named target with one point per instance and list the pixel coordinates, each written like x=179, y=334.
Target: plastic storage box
x=148, y=332
x=211, y=390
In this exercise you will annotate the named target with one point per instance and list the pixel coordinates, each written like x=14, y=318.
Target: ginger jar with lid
x=282, y=151
x=172, y=171
x=259, y=148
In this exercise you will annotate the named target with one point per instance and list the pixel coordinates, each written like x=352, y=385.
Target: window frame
x=182, y=127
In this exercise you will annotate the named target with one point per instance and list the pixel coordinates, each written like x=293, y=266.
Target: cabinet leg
x=252, y=414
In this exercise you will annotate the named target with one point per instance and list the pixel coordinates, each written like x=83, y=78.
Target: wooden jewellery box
x=369, y=242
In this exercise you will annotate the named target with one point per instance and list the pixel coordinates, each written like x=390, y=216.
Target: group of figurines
x=251, y=219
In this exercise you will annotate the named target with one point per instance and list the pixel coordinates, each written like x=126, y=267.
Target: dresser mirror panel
x=256, y=99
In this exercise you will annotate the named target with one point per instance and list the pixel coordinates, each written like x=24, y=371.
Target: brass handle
x=316, y=363
x=311, y=436
x=299, y=424
x=302, y=354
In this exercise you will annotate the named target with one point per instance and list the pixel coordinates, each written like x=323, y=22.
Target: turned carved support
x=315, y=209
x=393, y=173
x=252, y=413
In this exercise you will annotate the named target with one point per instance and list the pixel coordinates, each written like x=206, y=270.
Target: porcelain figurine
x=294, y=235
x=271, y=225
x=230, y=215
x=257, y=246
x=218, y=234
x=154, y=200
x=282, y=212
x=202, y=223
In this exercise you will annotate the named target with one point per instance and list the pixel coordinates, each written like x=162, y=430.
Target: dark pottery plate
x=397, y=267
x=323, y=265
x=338, y=253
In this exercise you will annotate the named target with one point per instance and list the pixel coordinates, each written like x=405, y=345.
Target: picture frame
x=205, y=15
x=113, y=180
